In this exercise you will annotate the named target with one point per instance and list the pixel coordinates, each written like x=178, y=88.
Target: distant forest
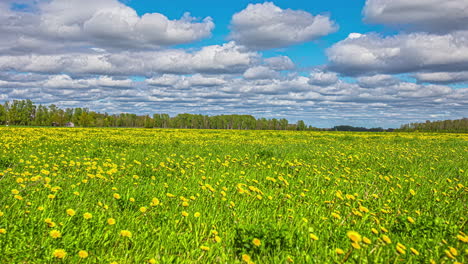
x=26, y=113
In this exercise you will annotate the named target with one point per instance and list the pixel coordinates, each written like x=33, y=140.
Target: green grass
x=276, y=186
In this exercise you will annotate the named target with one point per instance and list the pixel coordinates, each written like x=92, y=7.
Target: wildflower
x=289, y=259
x=82, y=254
x=414, y=251
x=339, y=251
x=366, y=240
x=356, y=245
x=205, y=248
x=155, y=202
x=126, y=233
x=143, y=209
x=152, y=261
x=111, y=221
x=71, y=212
x=197, y=214
x=55, y=234
x=354, y=236
x=246, y=258
x=453, y=251
x=3, y=231
x=59, y=253
x=116, y=196
x=185, y=214
x=313, y=237
x=217, y=239
x=375, y=231
x=410, y=219
x=386, y=239
x=256, y=242
x=185, y=204
x=335, y=215
x=51, y=196
x=87, y=216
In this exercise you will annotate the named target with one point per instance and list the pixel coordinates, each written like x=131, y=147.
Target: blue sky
x=364, y=63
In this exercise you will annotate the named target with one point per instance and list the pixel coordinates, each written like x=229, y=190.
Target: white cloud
x=67, y=24
x=443, y=77
x=427, y=15
x=400, y=54
x=279, y=63
x=323, y=78
x=260, y=72
x=227, y=58
x=265, y=26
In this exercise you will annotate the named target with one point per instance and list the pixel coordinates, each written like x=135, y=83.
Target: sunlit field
x=76, y=195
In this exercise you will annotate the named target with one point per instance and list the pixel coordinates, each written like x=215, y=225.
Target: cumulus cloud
x=402, y=53
x=323, y=78
x=426, y=15
x=260, y=72
x=279, y=63
x=265, y=26
x=103, y=23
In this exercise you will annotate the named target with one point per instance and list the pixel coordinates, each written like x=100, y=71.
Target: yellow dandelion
x=116, y=196
x=51, y=196
x=335, y=215
x=339, y=251
x=197, y=214
x=386, y=239
x=356, y=245
x=83, y=254
x=3, y=231
x=143, y=209
x=217, y=239
x=246, y=258
x=410, y=219
x=256, y=242
x=414, y=251
x=366, y=240
x=289, y=259
x=313, y=237
x=126, y=233
x=87, y=216
x=185, y=204
x=205, y=248
x=354, y=236
x=71, y=212
x=155, y=202
x=453, y=251
x=152, y=261
x=375, y=231
x=185, y=214
x=55, y=234
x=59, y=253
x=111, y=221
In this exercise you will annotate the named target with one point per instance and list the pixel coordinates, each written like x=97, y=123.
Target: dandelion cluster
x=93, y=195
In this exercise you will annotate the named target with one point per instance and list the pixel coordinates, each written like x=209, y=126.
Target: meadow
x=103, y=195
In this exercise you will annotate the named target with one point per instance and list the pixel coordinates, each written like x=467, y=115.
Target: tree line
x=26, y=113
x=458, y=126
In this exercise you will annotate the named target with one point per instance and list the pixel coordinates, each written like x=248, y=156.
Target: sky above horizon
x=374, y=63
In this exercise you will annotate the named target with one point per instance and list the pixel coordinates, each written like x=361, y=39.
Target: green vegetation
x=118, y=195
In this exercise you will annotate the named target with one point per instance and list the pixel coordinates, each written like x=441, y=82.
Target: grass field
x=216, y=196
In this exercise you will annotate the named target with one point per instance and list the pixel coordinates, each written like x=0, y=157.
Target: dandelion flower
x=83, y=254
x=55, y=234
x=185, y=214
x=3, y=231
x=205, y=248
x=414, y=251
x=339, y=251
x=143, y=209
x=126, y=233
x=152, y=261
x=59, y=253
x=116, y=196
x=410, y=219
x=313, y=237
x=197, y=214
x=366, y=240
x=256, y=242
x=87, y=216
x=111, y=221
x=386, y=239
x=246, y=258
x=354, y=236
x=71, y=212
